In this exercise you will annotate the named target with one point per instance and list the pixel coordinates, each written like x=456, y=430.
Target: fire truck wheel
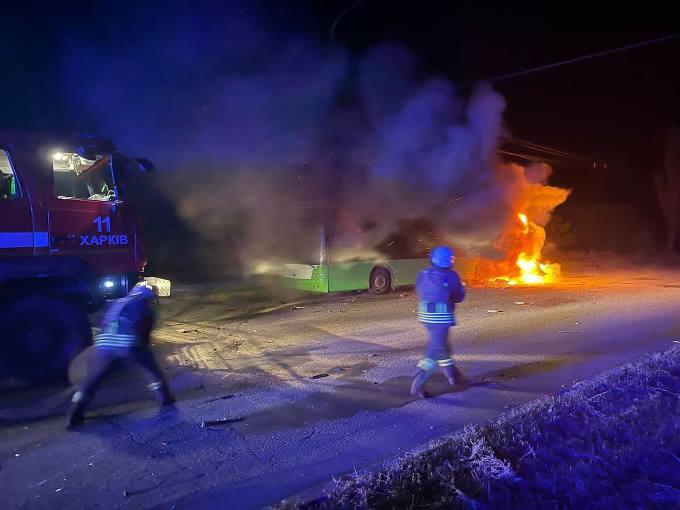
x=40, y=338
x=381, y=281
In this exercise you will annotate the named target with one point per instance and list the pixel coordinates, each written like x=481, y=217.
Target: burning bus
x=340, y=252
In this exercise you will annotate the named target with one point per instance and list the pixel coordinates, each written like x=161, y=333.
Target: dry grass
x=610, y=442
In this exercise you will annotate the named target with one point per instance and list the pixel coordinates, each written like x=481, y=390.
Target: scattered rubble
x=224, y=421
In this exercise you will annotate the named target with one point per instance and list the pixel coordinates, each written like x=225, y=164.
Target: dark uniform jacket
x=438, y=305
x=127, y=322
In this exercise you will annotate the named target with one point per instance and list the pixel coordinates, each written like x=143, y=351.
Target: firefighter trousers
x=438, y=355
x=438, y=352
x=104, y=361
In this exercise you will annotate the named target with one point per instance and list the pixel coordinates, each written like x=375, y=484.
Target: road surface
x=313, y=389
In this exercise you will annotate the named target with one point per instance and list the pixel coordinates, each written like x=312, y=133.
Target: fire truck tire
x=40, y=338
x=381, y=281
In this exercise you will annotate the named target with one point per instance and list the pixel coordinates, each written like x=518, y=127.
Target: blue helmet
x=442, y=256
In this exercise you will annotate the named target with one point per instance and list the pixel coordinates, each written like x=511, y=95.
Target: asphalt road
x=311, y=390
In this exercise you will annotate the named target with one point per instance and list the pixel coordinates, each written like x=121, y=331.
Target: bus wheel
x=381, y=281
x=40, y=337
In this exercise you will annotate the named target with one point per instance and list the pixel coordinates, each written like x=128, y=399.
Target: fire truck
x=69, y=240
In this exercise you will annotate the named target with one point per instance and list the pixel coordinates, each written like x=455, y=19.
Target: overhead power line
x=543, y=149
x=529, y=157
x=587, y=57
x=337, y=19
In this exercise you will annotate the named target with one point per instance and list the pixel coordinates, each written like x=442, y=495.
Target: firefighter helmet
x=442, y=256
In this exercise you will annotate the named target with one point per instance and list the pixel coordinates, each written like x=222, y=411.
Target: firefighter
x=439, y=288
x=125, y=334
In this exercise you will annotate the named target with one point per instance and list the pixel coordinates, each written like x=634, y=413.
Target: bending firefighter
x=125, y=333
x=439, y=289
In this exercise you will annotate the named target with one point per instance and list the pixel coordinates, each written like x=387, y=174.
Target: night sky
x=612, y=110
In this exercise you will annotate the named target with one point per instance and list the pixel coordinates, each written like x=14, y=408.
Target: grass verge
x=610, y=442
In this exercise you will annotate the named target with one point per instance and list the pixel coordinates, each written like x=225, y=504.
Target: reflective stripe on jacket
x=114, y=340
x=127, y=323
x=435, y=313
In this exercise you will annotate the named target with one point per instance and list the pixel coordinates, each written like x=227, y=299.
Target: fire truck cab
x=69, y=240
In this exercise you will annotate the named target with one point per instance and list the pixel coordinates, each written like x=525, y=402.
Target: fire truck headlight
x=112, y=287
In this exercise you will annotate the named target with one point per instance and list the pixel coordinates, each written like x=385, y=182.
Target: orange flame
x=529, y=268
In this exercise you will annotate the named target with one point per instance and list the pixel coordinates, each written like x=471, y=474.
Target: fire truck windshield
x=8, y=183
x=80, y=178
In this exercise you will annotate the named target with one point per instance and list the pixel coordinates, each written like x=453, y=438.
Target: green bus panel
x=405, y=271
x=317, y=282
x=344, y=276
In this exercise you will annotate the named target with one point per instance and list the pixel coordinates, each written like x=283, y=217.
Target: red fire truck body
x=69, y=240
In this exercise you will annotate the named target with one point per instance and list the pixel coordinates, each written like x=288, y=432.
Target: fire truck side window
x=9, y=189
x=76, y=177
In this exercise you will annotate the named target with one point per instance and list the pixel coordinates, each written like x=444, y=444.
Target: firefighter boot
x=163, y=394
x=418, y=384
x=165, y=398
x=450, y=373
x=76, y=414
x=454, y=375
x=427, y=367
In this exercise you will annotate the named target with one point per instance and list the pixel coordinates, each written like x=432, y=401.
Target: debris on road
x=308, y=435
x=296, y=307
x=224, y=397
x=188, y=331
x=318, y=376
x=491, y=310
x=520, y=303
x=225, y=421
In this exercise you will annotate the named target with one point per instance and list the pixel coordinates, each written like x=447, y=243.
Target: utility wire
x=529, y=157
x=349, y=9
x=542, y=148
x=587, y=57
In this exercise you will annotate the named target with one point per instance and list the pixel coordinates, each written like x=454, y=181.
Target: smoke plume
x=259, y=130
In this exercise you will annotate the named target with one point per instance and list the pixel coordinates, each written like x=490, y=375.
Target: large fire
x=525, y=240
x=524, y=237
x=531, y=271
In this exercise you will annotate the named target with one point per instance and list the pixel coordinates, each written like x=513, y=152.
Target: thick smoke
x=259, y=132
